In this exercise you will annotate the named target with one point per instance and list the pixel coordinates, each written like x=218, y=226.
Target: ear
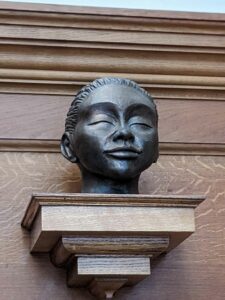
x=66, y=148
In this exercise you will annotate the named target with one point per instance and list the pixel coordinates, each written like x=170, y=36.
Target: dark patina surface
x=111, y=133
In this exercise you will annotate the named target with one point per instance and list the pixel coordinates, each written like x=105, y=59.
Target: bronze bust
x=111, y=133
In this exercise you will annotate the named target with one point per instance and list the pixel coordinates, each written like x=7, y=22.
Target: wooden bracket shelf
x=107, y=241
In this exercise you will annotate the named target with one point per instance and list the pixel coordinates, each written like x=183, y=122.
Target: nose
x=123, y=134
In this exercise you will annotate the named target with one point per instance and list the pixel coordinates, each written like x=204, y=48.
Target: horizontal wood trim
x=113, y=46
x=183, y=87
x=35, y=69
x=49, y=49
x=79, y=78
x=14, y=145
x=116, y=22
x=85, y=10
x=192, y=149
x=112, y=59
x=158, y=91
x=112, y=36
x=53, y=146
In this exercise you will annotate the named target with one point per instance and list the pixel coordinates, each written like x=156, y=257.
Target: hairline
x=88, y=90
x=122, y=85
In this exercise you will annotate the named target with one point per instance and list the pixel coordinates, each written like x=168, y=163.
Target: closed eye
x=144, y=125
x=100, y=121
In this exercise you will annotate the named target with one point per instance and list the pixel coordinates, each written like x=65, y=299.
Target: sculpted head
x=111, y=133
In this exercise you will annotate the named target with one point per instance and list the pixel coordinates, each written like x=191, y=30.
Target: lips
x=123, y=152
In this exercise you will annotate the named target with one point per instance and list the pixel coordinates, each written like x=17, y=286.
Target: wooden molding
x=110, y=18
x=53, y=146
x=170, y=53
x=85, y=10
x=192, y=149
x=77, y=79
x=179, y=91
x=19, y=145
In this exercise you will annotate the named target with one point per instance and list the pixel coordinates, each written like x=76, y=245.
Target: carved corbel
x=107, y=241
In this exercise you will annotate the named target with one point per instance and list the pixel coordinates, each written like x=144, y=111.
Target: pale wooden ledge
x=79, y=199
x=107, y=241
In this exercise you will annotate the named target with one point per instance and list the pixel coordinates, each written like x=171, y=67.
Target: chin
x=121, y=174
x=126, y=170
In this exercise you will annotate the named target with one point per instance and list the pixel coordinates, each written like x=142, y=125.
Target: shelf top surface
x=81, y=199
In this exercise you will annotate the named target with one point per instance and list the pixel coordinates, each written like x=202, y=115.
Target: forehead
x=121, y=96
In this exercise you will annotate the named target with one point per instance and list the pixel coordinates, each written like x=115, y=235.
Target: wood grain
x=196, y=267
x=67, y=247
x=101, y=265
x=131, y=269
x=52, y=216
x=54, y=222
x=63, y=200
x=183, y=64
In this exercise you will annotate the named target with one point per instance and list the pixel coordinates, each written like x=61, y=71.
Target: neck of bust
x=95, y=184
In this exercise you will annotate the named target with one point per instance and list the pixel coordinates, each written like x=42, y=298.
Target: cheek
x=94, y=136
x=100, y=133
x=147, y=139
x=87, y=143
x=149, y=144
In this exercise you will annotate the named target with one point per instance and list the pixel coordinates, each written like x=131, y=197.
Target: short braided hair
x=83, y=94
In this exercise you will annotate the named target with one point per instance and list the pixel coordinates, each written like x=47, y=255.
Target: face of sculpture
x=116, y=133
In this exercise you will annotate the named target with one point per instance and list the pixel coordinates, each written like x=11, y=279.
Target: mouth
x=123, y=152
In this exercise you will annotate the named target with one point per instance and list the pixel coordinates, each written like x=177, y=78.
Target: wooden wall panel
x=42, y=117
x=47, y=52
x=195, y=270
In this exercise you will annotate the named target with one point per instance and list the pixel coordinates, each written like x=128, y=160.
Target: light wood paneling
x=196, y=267
x=47, y=52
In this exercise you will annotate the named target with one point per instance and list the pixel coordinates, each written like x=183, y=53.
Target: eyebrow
x=142, y=109
x=104, y=107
